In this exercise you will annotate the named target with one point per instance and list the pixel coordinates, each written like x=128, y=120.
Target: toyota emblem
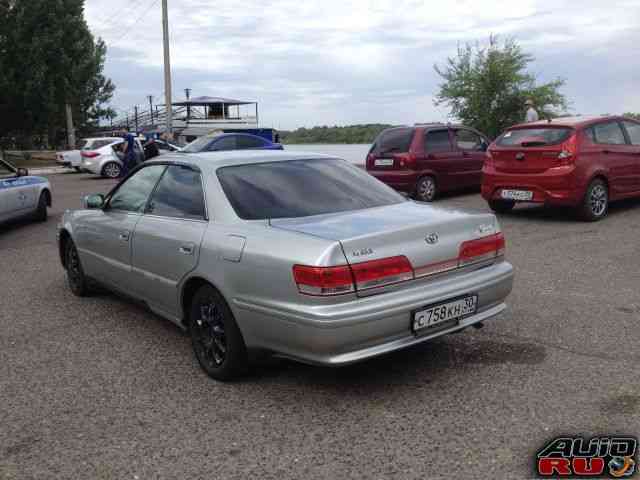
x=520, y=156
x=432, y=239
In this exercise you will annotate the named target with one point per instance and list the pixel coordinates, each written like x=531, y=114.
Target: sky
x=341, y=62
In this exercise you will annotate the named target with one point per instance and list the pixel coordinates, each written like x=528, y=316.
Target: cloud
x=362, y=61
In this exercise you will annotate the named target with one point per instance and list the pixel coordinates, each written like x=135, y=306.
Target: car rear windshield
x=396, y=140
x=534, y=137
x=301, y=188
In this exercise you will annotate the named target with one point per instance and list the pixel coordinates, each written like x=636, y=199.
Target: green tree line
x=49, y=58
x=345, y=134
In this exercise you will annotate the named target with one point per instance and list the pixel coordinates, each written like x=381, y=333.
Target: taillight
x=326, y=281
x=488, y=158
x=482, y=249
x=90, y=154
x=323, y=280
x=404, y=160
x=569, y=150
x=377, y=273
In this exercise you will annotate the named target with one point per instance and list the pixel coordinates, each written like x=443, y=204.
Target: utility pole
x=167, y=67
x=71, y=133
x=187, y=92
x=135, y=109
x=150, y=97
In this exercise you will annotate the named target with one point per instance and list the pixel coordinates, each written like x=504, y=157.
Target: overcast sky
x=338, y=62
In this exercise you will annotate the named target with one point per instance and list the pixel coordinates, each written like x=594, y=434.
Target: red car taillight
x=488, y=158
x=90, y=154
x=569, y=149
x=326, y=281
x=323, y=280
x=377, y=273
x=486, y=248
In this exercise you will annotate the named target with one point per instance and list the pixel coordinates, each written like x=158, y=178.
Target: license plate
x=523, y=195
x=434, y=315
x=384, y=162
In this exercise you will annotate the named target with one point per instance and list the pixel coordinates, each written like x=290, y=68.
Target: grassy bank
x=30, y=159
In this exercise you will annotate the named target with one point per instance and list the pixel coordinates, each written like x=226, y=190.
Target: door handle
x=186, y=249
x=466, y=154
x=606, y=151
x=124, y=236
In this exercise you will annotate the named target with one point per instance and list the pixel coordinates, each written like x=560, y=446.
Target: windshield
x=301, y=188
x=199, y=144
x=534, y=137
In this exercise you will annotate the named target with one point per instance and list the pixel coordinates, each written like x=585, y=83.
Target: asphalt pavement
x=102, y=388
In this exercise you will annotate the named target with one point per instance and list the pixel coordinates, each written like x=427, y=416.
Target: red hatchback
x=577, y=162
x=428, y=159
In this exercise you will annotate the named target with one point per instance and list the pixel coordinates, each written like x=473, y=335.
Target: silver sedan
x=297, y=255
x=22, y=194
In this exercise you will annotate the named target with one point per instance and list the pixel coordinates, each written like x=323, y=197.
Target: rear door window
x=534, y=137
x=633, y=130
x=468, y=140
x=609, y=133
x=245, y=142
x=395, y=140
x=437, y=141
x=178, y=194
x=223, y=144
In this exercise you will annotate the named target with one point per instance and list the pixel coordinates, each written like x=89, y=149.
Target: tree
x=486, y=87
x=48, y=58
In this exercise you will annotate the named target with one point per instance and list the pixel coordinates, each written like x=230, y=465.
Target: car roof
x=575, y=122
x=211, y=161
x=103, y=138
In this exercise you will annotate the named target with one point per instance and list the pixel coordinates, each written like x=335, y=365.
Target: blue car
x=230, y=141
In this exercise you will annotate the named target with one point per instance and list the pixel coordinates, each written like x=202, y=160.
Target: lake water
x=355, y=153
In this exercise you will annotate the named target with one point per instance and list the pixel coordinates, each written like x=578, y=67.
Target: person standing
x=151, y=149
x=532, y=114
x=129, y=160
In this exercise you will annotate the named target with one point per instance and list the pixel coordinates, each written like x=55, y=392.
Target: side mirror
x=93, y=202
x=23, y=172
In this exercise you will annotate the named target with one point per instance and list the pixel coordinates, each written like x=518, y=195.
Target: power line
x=135, y=22
x=110, y=22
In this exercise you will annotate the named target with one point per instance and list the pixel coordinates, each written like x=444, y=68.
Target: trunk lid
x=530, y=149
x=526, y=160
x=429, y=237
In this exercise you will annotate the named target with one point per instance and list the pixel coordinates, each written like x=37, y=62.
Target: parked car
x=230, y=141
x=165, y=147
x=73, y=158
x=102, y=159
x=22, y=194
x=300, y=255
x=428, y=159
x=577, y=162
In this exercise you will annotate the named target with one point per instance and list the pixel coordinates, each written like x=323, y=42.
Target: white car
x=73, y=158
x=22, y=194
x=101, y=159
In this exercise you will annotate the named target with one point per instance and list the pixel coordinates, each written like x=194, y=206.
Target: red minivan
x=427, y=159
x=577, y=162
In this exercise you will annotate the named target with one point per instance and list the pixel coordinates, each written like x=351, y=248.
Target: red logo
x=567, y=457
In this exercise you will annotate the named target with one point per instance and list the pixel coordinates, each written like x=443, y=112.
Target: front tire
x=111, y=170
x=501, y=206
x=76, y=279
x=41, y=211
x=426, y=189
x=216, y=339
x=595, y=204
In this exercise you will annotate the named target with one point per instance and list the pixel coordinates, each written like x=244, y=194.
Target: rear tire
x=426, y=189
x=501, y=206
x=41, y=211
x=77, y=169
x=216, y=339
x=111, y=170
x=595, y=204
x=76, y=279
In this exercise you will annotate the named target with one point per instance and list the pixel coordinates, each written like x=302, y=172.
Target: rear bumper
x=555, y=186
x=345, y=333
x=403, y=180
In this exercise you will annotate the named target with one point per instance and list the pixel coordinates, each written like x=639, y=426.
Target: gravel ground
x=102, y=388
